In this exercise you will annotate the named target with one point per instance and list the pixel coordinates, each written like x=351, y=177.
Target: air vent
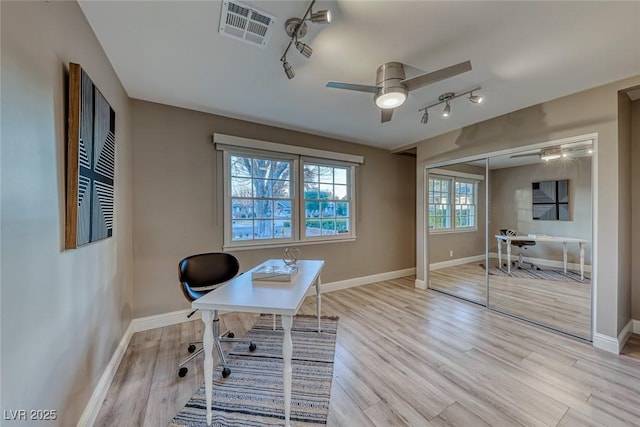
x=245, y=23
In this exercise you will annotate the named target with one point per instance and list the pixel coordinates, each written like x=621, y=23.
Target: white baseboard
x=421, y=284
x=454, y=262
x=614, y=344
x=164, y=319
x=541, y=261
x=92, y=409
x=636, y=326
x=606, y=343
x=364, y=280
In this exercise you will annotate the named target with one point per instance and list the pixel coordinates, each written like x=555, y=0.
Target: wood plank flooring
x=562, y=305
x=409, y=357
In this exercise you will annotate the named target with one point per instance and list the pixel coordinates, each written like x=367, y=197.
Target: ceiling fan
x=392, y=87
x=553, y=153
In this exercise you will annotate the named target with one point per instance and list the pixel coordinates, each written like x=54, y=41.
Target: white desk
x=551, y=239
x=240, y=294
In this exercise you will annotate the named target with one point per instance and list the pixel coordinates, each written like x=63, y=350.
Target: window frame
x=453, y=179
x=298, y=235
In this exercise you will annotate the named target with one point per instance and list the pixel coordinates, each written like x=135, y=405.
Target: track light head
x=304, y=49
x=425, y=117
x=447, y=110
x=475, y=99
x=288, y=69
x=321, y=17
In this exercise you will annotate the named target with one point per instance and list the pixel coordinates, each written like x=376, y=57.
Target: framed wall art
x=91, y=149
x=551, y=200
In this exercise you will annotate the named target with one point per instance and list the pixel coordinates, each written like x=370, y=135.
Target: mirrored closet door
x=540, y=227
x=455, y=203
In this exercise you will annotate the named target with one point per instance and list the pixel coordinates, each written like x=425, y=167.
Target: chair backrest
x=508, y=232
x=206, y=271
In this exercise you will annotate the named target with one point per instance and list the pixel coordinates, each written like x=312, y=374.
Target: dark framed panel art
x=551, y=200
x=91, y=149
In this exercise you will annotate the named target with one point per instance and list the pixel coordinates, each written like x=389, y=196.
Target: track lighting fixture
x=304, y=49
x=446, y=99
x=288, y=69
x=296, y=28
x=476, y=99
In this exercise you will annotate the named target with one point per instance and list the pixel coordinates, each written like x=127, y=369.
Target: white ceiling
x=522, y=53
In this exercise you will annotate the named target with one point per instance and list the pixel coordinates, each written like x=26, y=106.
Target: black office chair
x=521, y=244
x=200, y=274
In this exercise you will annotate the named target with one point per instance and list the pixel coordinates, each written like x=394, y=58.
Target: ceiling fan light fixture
x=288, y=70
x=551, y=154
x=304, y=49
x=391, y=97
x=321, y=17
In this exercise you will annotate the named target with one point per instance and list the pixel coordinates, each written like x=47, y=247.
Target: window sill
x=233, y=248
x=458, y=230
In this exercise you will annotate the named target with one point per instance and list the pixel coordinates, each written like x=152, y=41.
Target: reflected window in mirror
x=453, y=203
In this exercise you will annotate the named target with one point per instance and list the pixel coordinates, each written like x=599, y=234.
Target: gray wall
x=63, y=311
x=177, y=208
x=635, y=217
x=592, y=111
x=624, y=213
x=510, y=205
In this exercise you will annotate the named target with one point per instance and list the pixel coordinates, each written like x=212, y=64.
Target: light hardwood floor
x=562, y=305
x=410, y=357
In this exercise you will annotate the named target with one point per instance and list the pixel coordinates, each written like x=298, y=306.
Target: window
x=326, y=200
x=261, y=198
x=274, y=198
x=452, y=203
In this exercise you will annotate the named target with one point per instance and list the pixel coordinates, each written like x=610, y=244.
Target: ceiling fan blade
x=435, y=76
x=515, y=156
x=386, y=115
x=350, y=86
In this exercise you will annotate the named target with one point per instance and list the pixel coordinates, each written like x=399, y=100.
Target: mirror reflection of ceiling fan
x=553, y=153
x=392, y=88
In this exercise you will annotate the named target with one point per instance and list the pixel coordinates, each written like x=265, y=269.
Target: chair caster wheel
x=226, y=372
x=182, y=372
x=191, y=348
x=231, y=335
x=252, y=346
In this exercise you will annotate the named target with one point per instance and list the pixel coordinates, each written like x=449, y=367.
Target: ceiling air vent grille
x=243, y=22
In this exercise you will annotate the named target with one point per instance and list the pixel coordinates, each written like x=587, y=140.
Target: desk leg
x=287, y=352
x=509, y=258
x=564, y=257
x=274, y=322
x=581, y=261
x=207, y=343
x=499, y=253
x=318, y=302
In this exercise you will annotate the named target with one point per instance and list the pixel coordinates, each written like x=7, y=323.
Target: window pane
x=242, y=230
x=263, y=229
x=240, y=166
x=279, y=189
x=328, y=227
x=342, y=209
x=311, y=173
x=261, y=168
x=312, y=209
x=282, y=228
x=326, y=174
x=241, y=208
x=327, y=209
x=282, y=209
x=241, y=187
x=340, y=192
x=326, y=191
x=340, y=175
x=312, y=227
x=263, y=208
x=342, y=226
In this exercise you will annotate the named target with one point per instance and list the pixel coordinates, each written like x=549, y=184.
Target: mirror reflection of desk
x=540, y=238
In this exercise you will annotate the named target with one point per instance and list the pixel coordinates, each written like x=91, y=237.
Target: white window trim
x=454, y=176
x=298, y=155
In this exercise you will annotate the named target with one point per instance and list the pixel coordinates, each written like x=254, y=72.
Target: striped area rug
x=532, y=273
x=253, y=395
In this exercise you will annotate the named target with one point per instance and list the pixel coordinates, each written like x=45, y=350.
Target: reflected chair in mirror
x=199, y=275
x=522, y=245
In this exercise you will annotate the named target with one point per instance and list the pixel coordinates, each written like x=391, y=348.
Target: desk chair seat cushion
x=523, y=243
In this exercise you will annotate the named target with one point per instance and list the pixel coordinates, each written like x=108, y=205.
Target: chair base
x=218, y=339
